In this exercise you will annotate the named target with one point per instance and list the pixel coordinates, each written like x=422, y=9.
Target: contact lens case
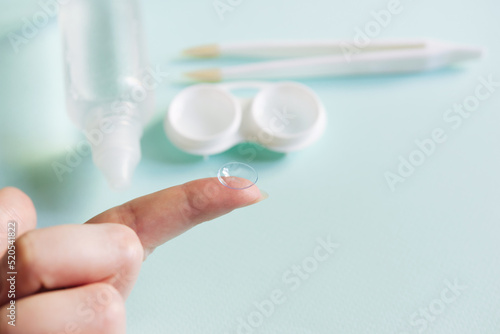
x=207, y=119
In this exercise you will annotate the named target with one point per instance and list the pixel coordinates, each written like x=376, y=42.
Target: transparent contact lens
x=237, y=175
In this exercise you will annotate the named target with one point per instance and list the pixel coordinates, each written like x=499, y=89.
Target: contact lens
x=237, y=175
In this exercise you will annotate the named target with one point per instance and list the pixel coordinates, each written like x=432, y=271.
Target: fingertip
x=263, y=195
x=206, y=195
x=16, y=206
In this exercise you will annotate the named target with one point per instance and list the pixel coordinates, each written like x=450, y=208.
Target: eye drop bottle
x=105, y=69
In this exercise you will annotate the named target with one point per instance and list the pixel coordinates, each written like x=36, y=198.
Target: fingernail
x=263, y=195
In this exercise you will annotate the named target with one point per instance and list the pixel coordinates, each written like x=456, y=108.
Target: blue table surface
x=423, y=258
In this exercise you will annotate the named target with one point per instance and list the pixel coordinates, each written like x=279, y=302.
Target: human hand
x=75, y=278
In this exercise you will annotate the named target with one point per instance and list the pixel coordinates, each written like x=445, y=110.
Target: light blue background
x=397, y=249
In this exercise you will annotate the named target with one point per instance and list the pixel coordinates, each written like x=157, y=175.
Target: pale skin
x=76, y=278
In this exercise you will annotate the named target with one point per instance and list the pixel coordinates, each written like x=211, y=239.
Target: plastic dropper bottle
x=107, y=92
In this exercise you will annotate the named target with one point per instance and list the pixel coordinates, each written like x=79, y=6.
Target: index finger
x=161, y=216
